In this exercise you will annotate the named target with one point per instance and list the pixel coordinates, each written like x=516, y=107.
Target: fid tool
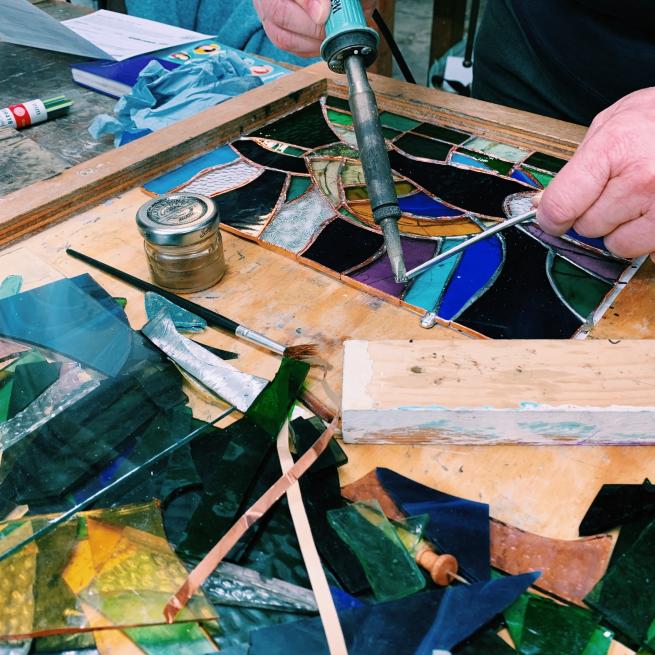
x=351, y=46
x=499, y=227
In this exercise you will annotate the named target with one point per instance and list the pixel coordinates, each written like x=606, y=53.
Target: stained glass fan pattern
x=297, y=186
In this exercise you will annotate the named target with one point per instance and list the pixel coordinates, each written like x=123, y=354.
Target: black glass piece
x=247, y=207
x=30, y=381
x=342, y=245
x=264, y=157
x=420, y=147
x=338, y=103
x=304, y=433
x=473, y=191
x=521, y=304
x=484, y=643
x=444, y=133
x=617, y=504
x=305, y=128
x=223, y=354
x=628, y=534
x=545, y=162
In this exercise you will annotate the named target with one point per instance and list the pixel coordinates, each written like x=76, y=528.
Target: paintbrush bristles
x=307, y=352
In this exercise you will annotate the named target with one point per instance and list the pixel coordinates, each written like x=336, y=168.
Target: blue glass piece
x=420, y=204
x=522, y=176
x=466, y=608
x=343, y=601
x=596, y=242
x=183, y=319
x=456, y=526
x=465, y=160
x=477, y=269
x=427, y=288
x=173, y=179
x=87, y=284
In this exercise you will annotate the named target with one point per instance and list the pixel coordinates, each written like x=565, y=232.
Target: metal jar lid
x=177, y=219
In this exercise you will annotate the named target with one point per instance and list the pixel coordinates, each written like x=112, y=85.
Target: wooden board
x=493, y=392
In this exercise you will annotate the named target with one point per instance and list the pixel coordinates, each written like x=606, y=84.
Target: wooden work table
x=538, y=488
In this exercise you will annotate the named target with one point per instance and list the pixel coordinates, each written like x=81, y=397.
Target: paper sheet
x=100, y=35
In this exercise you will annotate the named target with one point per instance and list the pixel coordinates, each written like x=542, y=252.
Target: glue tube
x=28, y=113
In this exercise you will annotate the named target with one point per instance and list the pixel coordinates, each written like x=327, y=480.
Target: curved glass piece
x=219, y=180
x=264, y=157
x=421, y=204
x=545, y=162
x=462, y=155
x=327, y=173
x=361, y=192
x=297, y=186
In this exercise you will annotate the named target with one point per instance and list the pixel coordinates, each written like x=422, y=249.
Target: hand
x=608, y=187
x=298, y=26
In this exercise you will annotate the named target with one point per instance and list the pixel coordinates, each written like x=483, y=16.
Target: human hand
x=298, y=26
x=608, y=187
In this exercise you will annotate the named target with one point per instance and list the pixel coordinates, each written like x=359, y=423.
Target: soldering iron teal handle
x=345, y=15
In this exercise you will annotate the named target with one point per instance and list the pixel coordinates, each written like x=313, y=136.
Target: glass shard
x=10, y=286
x=264, y=157
x=396, y=122
x=495, y=149
x=183, y=319
x=419, y=146
x=29, y=382
x=545, y=162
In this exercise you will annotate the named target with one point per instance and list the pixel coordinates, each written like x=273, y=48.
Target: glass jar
x=182, y=241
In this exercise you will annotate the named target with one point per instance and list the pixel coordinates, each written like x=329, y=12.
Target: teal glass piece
x=389, y=568
x=29, y=381
x=543, y=178
x=10, y=286
x=183, y=319
x=625, y=596
x=395, y=122
x=297, y=186
x=339, y=118
x=545, y=162
x=7, y=384
x=175, y=639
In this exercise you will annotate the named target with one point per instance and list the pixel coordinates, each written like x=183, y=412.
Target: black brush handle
x=217, y=320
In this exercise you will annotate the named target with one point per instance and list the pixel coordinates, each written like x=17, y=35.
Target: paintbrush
x=305, y=352
x=499, y=227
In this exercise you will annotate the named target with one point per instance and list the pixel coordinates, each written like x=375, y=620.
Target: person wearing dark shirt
x=586, y=61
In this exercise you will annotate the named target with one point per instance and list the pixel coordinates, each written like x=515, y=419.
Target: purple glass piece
x=379, y=275
x=605, y=267
x=420, y=204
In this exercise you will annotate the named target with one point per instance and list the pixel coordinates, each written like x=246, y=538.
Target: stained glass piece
x=457, y=526
x=379, y=274
x=475, y=192
x=466, y=608
x=475, y=272
x=352, y=174
x=7, y=384
x=396, y=122
x=421, y=204
x=419, y=146
x=304, y=432
x=446, y=134
x=336, y=150
x=339, y=118
x=486, y=643
x=338, y=103
x=182, y=638
x=596, y=242
x=29, y=382
x=390, y=134
x=523, y=176
x=522, y=303
x=87, y=284
x=389, y=568
x=403, y=189
x=327, y=173
x=460, y=159
x=305, y=127
x=490, y=162
x=608, y=268
x=179, y=176
x=296, y=222
x=124, y=574
x=581, y=291
x=284, y=148
x=183, y=319
x=219, y=180
x=346, y=134
x=297, y=186
x=247, y=208
x=341, y=245
x=618, y=504
x=600, y=642
x=427, y=288
x=495, y=149
x=121, y=302
x=343, y=601
x=545, y=162
x=543, y=178
x=10, y=286
x=60, y=317
x=264, y=157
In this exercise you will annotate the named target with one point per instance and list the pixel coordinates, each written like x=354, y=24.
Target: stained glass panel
x=296, y=183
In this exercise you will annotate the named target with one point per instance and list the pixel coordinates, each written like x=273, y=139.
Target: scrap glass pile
x=297, y=186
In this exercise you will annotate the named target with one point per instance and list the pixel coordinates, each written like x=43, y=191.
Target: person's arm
x=298, y=26
x=608, y=187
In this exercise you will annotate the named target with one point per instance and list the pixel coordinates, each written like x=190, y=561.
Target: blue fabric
x=466, y=608
x=235, y=23
x=457, y=526
x=160, y=97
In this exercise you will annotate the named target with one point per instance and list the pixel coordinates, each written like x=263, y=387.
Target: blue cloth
x=160, y=97
x=235, y=23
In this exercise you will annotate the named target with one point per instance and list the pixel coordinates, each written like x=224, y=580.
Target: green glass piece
x=625, y=596
x=495, y=149
x=400, y=123
x=410, y=531
x=390, y=570
x=336, y=150
x=442, y=133
x=339, y=118
x=6, y=386
x=600, y=642
x=486, y=643
x=174, y=639
x=338, y=103
x=650, y=636
x=514, y=615
x=498, y=165
x=543, y=178
x=580, y=290
x=10, y=286
x=121, y=302
x=419, y=146
x=545, y=162
x=297, y=187
x=390, y=133
x=304, y=433
x=29, y=382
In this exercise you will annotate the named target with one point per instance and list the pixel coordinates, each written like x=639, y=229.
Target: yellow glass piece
x=420, y=227
x=326, y=172
x=361, y=192
x=103, y=540
x=80, y=571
